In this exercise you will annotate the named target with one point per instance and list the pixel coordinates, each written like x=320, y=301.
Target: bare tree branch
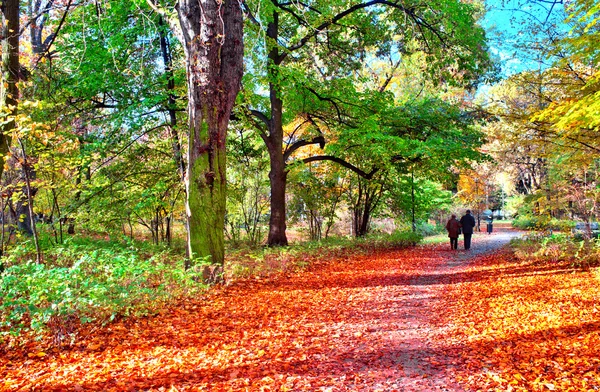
x=320, y=140
x=342, y=162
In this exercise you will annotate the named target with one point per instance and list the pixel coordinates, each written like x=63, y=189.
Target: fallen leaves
x=321, y=329
x=524, y=327
x=400, y=320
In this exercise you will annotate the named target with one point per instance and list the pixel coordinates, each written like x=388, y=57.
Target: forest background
x=152, y=146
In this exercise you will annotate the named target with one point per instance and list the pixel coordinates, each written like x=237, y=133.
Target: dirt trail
x=425, y=367
x=355, y=324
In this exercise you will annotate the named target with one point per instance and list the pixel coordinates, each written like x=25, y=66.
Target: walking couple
x=455, y=227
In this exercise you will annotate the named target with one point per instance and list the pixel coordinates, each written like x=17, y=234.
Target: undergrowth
x=86, y=280
x=264, y=261
x=536, y=222
x=558, y=248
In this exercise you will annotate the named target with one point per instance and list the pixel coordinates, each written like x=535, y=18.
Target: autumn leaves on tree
x=377, y=92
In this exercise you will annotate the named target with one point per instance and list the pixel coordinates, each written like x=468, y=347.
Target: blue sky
x=509, y=24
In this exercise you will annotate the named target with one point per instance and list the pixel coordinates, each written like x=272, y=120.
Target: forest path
x=358, y=323
x=422, y=342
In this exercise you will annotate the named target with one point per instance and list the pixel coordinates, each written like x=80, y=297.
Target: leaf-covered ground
x=422, y=319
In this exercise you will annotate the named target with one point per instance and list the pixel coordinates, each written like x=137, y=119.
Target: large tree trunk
x=9, y=49
x=278, y=173
x=278, y=181
x=213, y=42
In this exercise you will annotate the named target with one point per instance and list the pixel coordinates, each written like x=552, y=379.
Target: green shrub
x=407, y=238
x=426, y=229
x=558, y=248
x=87, y=281
x=398, y=239
x=536, y=222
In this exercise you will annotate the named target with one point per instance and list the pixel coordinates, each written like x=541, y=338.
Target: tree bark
x=278, y=182
x=213, y=43
x=274, y=142
x=9, y=48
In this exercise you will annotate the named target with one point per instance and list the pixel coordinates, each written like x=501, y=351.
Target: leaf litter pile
x=420, y=319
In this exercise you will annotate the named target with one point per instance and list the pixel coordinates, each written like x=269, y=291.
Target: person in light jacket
x=453, y=227
x=467, y=223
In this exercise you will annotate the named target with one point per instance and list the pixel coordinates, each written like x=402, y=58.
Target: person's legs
x=453, y=243
x=468, y=241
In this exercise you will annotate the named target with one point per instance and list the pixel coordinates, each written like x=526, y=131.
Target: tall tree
x=300, y=53
x=102, y=110
x=212, y=35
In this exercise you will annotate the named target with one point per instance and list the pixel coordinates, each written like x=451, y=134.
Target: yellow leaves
x=94, y=346
x=39, y=354
x=518, y=377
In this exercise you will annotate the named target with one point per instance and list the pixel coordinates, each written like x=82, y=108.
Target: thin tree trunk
x=168, y=230
x=165, y=48
x=278, y=182
x=412, y=200
x=58, y=236
x=9, y=49
x=23, y=207
x=213, y=43
x=3, y=214
x=26, y=171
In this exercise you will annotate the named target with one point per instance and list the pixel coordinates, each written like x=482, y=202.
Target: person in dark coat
x=453, y=227
x=467, y=223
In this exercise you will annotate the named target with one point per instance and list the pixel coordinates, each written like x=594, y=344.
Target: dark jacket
x=453, y=227
x=468, y=223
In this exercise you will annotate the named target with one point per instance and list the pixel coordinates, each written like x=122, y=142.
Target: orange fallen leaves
x=523, y=327
x=496, y=324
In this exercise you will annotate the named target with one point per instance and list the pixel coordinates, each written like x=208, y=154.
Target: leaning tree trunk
x=213, y=42
x=9, y=49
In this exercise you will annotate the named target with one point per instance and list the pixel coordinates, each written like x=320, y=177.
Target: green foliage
x=318, y=190
x=532, y=216
x=247, y=189
x=426, y=229
x=88, y=281
x=541, y=222
x=558, y=248
x=403, y=239
x=428, y=197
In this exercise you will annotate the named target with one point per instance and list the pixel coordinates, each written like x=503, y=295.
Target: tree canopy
x=374, y=103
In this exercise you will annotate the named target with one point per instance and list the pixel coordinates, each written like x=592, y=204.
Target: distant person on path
x=453, y=227
x=467, y=223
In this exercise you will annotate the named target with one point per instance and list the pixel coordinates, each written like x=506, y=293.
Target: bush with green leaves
x=88, y=281
x=426, y=229
x=539, y=222
x=558, y=248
